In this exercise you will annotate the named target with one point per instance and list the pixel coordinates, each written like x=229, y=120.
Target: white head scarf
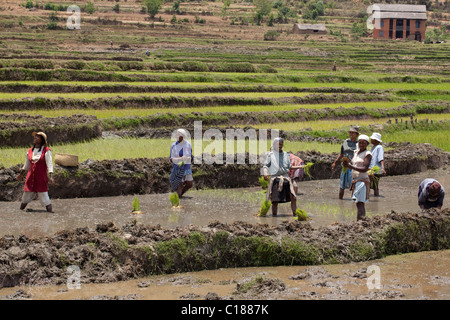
x=276, y=144
x=181, y=133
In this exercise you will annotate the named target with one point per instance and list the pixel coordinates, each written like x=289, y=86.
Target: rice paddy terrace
x=117, y=87
x=113, y=91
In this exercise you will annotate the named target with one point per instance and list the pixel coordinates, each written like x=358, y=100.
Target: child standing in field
x=377, y=160
x=347, y=149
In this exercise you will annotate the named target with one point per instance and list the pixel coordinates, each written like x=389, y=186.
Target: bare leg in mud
x=293, y=204
x=182, y=188
x=361, y=210
x=274, y=208
x=341, y=194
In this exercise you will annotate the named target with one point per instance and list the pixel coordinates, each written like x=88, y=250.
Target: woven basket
x=66, y=160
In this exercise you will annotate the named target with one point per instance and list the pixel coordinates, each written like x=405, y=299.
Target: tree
x=90, y=8
x=263, y=8
x=226, y=5
x=314, y=10
x=153, y=7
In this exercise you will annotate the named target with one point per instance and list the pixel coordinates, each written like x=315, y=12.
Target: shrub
x=194, y=66
x=90, y=8
x=52, y=25
x=271, y=35
x=29, y=4
x=74, y=64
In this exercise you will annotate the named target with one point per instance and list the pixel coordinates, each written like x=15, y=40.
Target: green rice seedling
x=345, y=160
x=264, y=183
x=307, y=167
x=136, y=206
x=301, y=215
x=374, y=170
x=264, y=208
x=174, y=199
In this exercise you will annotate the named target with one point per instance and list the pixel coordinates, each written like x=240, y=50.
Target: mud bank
x=109, y=254
x=75, y=128
x=15, y=128
x=143, y=176
x=112, y=88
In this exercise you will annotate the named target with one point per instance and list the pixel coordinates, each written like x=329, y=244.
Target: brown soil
x=17, y=129
x=110, y=254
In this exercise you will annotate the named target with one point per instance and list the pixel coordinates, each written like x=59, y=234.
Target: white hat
x=364, y=137
x=376, y=136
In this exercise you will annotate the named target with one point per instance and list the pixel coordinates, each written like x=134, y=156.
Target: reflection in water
x=318, y=198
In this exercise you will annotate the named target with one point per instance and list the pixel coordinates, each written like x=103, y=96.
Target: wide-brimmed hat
x=376, y=136
x=364, y=137
x=354, y=129
x=43, y=135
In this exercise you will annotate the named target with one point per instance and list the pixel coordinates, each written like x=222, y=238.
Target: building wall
x=383, y=31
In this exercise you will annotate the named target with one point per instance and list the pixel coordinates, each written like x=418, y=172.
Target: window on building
x=417, y=24
x=382, y=23
x=381, y=34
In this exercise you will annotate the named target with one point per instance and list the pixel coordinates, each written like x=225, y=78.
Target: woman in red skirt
x=38, y=163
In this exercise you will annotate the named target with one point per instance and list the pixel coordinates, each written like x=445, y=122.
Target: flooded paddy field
x=319, y=198
x=420, y=275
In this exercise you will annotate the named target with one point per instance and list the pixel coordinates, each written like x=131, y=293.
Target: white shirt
x=36, y=156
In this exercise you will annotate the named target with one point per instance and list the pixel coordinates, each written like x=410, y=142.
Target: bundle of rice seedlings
x=174, y=199
x=264, y=208
x=306, y=169
x=345, y=160
x=374, y=170
x=264, y=183
x=136, y=206
x=301, y=215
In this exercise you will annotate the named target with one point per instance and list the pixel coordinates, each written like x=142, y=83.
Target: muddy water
x=318, y=198
x=423, y=275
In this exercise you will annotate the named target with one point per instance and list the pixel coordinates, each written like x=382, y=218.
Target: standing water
x=199, y=207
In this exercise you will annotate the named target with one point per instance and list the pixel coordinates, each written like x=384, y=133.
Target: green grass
x=438, y=139
x=116, y=149
x=365, y=86
x=108, y=113
x=328, y=125
x=83, y=95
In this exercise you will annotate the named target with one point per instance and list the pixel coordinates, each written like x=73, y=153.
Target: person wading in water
x=361, y=182
x=347, y=149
